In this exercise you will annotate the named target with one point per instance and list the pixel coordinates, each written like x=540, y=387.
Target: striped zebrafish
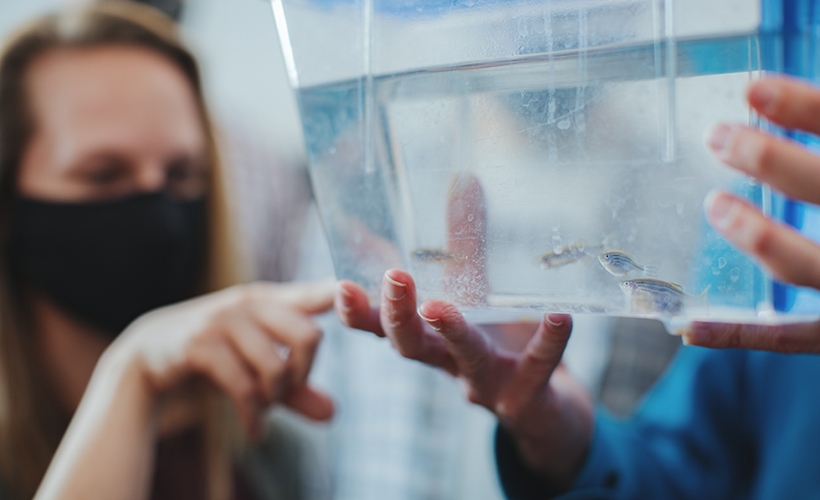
x=620, y=264
x=654, y=295
x=432, y=255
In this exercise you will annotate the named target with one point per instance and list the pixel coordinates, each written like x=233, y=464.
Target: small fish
x=620, y=264
x=567, y=255
x=432, y=255
x=654, y=295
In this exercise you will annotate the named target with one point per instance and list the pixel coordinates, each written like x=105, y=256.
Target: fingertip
x=696, y=334
x=311, y=403
x=721, y=209
x=397, y=285
x=398, y=276
x=718, y=137
x=558, y=319
x=345, y=295
x=763, y=95
x=557, y=323
x=440, y=314
x=434, y=323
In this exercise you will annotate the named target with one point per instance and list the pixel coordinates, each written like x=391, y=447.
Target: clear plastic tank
x=528, y=156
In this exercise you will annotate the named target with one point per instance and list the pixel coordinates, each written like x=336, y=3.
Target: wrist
x=553, y=444
x=132, y=388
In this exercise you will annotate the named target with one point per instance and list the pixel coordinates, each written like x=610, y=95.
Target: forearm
x=552, y=439
x=108, y=449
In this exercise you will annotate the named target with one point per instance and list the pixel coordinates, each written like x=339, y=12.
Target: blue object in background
x=789, y=45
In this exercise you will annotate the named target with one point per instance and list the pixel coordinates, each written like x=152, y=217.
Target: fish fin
x=705, y=291
x=675, y=285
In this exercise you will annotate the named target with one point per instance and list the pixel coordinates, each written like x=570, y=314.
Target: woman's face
x=111, y=122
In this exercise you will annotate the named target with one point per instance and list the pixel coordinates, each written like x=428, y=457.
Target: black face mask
x=107, y=263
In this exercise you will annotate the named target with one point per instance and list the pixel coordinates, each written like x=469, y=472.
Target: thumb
x=542, y=355
x=788, y=338
x=310, y=402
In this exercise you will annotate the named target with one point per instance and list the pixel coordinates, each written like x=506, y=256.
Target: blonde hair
x=31, y=420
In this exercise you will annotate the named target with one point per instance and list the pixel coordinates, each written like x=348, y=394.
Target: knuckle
x=250, y=295
x=764, y=156
x=244, y=389
x=274, y=371
x=394, y=319
x=408, y=350
x=763, y=237
x=223, y=316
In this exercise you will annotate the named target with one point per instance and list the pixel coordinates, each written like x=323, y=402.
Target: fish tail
x=650, y=270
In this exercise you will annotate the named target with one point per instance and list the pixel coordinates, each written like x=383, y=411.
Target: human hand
x=792, y=170
x=255, y=343
x=546, y=411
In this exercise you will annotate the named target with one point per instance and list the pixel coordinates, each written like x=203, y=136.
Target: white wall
x=237, y=46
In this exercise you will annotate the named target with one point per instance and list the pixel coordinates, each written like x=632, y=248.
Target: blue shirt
x=721, y=424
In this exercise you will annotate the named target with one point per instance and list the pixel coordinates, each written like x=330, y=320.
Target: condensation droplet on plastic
x=734, y=275
x=470, y=217
x=721, y=262
x=564, y=124
x=715, y=270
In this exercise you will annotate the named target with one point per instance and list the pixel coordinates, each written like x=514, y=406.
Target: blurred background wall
x=238, y=49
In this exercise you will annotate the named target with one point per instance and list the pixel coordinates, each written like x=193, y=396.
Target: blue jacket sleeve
x=687, y=441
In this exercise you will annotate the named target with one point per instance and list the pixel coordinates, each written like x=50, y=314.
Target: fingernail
x=719, y=137
x=696, y=335
x=435, y=323
x=763, y=96
x=345, y=297
x=554, y=319
x=721, y=208
x=393, y=289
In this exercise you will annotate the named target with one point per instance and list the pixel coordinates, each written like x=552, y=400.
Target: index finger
x=465, y=276
x=472, y=353
x=313, y=297
x=404, y=327
x=542, y=355
x=782, y=250
x=789, y=338
x=788, y=102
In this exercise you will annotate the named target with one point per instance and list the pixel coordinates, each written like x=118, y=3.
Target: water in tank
x=520, y=156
